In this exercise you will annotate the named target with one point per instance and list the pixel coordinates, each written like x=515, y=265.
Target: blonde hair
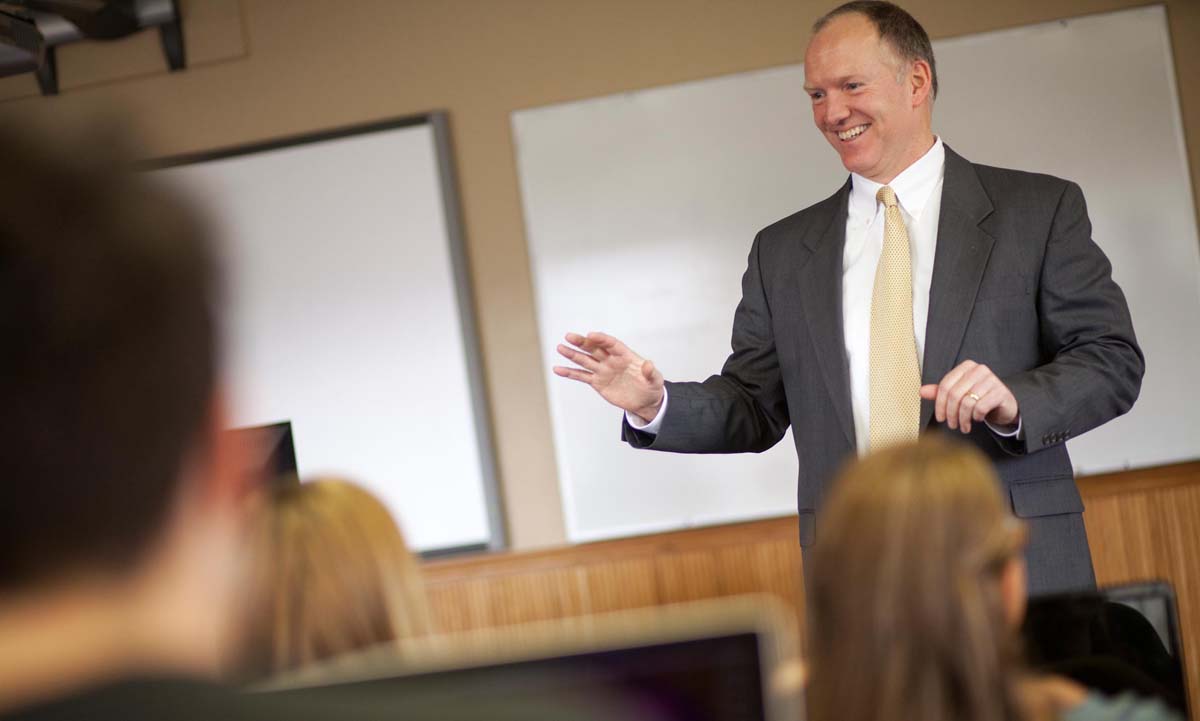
x=332, y=574
x=906, y=618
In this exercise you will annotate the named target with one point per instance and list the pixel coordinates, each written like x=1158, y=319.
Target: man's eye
x=816, y=96
x=853, y=86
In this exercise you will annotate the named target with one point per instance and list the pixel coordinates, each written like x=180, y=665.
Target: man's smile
x=852, y=133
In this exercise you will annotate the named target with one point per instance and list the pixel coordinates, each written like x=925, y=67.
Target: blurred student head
x=918, y=587
x=118, y=501
x=332, y=576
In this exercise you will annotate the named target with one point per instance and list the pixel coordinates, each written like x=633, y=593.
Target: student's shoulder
x=1125, y=707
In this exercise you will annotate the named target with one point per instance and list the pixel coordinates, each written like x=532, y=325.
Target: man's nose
x=835, y=110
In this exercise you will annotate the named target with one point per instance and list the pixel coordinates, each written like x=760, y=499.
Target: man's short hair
x=895, y=26
x=107, y=366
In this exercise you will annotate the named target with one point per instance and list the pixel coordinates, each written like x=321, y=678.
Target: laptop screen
x=1123, y=638
x=699, y=679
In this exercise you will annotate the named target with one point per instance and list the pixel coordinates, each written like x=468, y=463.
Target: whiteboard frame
x=460, y=267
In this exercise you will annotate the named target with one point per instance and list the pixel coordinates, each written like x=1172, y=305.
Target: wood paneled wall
x=507, y=588
x=1145, y=525
x=1141, y=525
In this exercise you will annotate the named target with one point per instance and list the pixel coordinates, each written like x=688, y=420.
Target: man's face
x=874, y=121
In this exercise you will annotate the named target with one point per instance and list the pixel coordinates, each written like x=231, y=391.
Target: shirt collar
x=913, y=186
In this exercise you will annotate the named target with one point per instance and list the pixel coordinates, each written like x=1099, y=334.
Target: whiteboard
x=346, y=313
x=640, y=209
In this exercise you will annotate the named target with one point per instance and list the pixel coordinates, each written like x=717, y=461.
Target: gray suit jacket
x=1018, y=285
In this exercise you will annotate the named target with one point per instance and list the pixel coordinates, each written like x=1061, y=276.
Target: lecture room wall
x=269, y=68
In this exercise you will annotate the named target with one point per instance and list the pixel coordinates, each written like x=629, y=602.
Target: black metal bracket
x=171, y=35
x=47, y=72
x=64, y=27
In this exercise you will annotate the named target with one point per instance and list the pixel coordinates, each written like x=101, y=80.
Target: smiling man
x=927, y=294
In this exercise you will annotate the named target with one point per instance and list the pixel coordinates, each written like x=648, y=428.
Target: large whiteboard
x=347, y=314
x=640, y=209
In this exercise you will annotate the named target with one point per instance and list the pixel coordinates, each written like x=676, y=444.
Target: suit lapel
x=820, y=285
x=958, y=263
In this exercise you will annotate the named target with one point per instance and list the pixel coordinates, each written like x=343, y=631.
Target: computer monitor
x=271, y=453
x=660, y=663
x=1120, y=638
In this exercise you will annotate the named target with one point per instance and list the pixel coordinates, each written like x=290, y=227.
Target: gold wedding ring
x=973, y=397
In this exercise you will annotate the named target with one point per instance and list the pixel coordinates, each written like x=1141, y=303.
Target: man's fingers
x=588, y=343
x=982, y=393
x=986, y=405
x=574, y=374
x=966, y=407
x=940, y=409
x=599, y=345
x=999, y=398
x=605, y=341
x=651, y=373
x=949, y=398
x=975, y=381
x=995, y=397
x=989, y=394
x=968, y=394
x=578, y=357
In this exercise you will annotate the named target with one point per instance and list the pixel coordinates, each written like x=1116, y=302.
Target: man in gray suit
x=928, y=293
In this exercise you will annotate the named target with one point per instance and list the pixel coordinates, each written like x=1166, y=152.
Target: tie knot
x=887, y=196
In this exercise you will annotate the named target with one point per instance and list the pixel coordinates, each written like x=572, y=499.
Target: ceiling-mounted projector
x=30, y=30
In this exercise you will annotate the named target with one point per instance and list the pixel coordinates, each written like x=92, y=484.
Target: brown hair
x=107, y=288
x=906, y=617
x=332, y=575
x=895, y=26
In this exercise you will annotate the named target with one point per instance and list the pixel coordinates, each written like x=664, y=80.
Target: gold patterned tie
x=895, y=376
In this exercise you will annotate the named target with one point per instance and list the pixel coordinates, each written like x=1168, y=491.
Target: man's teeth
x=852, y=132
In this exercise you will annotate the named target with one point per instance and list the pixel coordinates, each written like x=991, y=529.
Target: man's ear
x=920, y=78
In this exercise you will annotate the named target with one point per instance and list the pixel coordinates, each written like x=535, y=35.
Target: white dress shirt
x=919, y=193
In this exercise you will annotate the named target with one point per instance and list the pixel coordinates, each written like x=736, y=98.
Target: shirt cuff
x=1006, y=431
x=653, y=426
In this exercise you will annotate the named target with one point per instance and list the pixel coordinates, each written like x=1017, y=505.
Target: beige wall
x=266, y=68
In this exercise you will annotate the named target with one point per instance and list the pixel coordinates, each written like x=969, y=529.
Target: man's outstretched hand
x=620, y=376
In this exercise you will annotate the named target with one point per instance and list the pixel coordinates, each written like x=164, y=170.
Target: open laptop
x=706, y=661
x=1117, y=639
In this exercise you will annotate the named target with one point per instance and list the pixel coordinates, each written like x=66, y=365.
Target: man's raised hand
x=620, y=376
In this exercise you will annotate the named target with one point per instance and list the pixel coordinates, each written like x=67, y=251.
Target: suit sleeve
x=743, y=409
x=1093, y=369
